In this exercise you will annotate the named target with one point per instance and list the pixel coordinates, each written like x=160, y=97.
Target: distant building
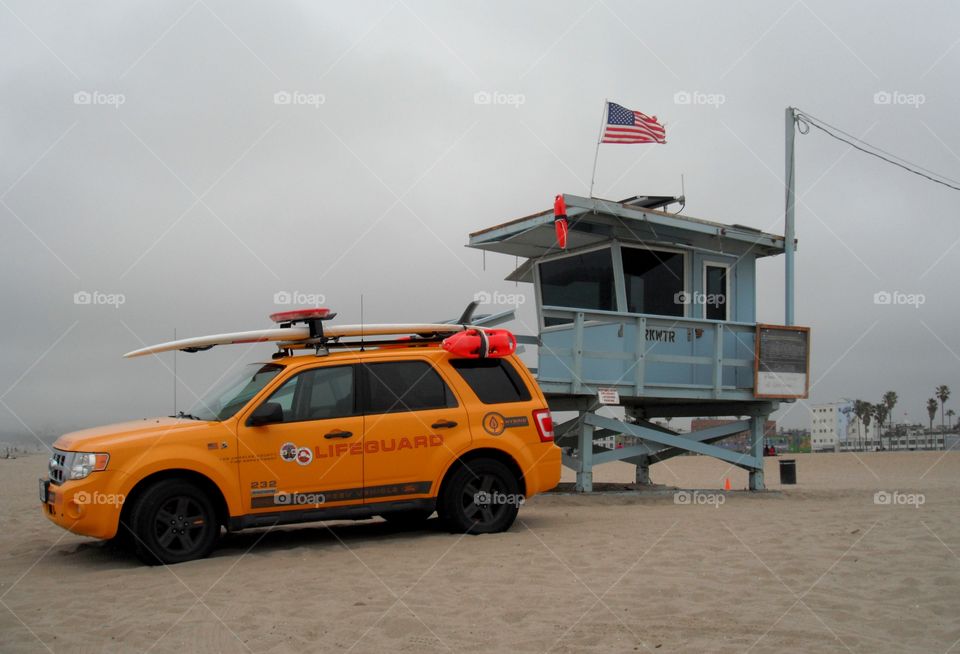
x=860, y=437
x=610, y=442
x=739, y=441
x=915, y=437
x=792, y=440
x=832, y=425
x=616, y=441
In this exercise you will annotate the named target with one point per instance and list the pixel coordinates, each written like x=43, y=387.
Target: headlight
x=86, y=462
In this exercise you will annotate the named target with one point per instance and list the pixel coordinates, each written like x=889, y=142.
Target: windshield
x=233, y=391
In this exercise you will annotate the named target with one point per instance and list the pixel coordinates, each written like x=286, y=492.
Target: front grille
x=58, y=466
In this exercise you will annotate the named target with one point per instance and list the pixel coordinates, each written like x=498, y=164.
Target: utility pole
x=788, y=231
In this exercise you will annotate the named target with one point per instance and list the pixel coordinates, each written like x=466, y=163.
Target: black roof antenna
x=361, y=323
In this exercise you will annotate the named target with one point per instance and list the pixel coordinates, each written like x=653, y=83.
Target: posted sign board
x=608, y=396
x=782, y=362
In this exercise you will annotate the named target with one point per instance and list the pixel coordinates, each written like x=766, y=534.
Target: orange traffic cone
x=726, y=484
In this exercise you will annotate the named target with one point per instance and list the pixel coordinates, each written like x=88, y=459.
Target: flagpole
x=596, y=153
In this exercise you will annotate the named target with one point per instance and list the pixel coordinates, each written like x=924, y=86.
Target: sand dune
x=818, y=567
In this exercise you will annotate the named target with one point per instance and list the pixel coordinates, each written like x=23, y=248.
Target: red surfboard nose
x=316, y=313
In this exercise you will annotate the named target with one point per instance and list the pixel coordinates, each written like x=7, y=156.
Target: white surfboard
x=202, y=342
x=294, y=334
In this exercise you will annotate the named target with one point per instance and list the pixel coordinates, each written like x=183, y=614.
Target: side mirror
x=265, y=414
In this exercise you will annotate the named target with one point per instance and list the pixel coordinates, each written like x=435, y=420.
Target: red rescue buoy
x=481, y=343
x=560, y=221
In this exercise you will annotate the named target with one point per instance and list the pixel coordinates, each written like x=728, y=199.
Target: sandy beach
x=817, y=567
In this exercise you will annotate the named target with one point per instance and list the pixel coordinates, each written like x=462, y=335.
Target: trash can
x=788, y=471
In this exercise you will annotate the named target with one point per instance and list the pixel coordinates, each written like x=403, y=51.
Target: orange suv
x=397, y=431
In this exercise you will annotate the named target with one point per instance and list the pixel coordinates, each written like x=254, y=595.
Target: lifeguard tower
x=656, y=313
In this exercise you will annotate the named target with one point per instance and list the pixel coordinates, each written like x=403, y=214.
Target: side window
x=582, y=280
x=495, y=381
x=715, y=288
x=317, y=394
x=284, y=396
x=330, y=394
x=396, y=386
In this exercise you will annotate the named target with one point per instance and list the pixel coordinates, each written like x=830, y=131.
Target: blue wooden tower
x=653, y=312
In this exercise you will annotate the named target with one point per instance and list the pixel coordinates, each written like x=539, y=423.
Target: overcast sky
x=146, y=154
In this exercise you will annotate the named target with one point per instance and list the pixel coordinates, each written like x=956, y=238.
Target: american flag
x=626, y=126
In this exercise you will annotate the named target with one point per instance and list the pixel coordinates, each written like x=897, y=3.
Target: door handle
x=444, y=424
x=338, y=434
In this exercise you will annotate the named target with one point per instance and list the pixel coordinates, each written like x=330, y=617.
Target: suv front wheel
x=481, y=497
x=174, y=521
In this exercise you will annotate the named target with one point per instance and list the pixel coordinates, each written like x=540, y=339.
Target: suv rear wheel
x=174, y=521
x=481, y=497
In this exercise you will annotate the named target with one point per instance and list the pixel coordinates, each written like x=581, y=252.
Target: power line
x=804, y=118
x=858, y=140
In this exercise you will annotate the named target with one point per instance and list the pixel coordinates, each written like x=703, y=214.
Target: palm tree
x=932, y=412
x=950, y=414
x=943, y=394
x=880, y=413
x=890, y=399
x=867, y=416
x=861, y=409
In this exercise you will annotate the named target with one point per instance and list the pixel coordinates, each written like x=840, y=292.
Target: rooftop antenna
x=174, y=375
x=361, y=322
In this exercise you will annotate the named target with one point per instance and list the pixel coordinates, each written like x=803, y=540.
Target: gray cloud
x=303, y=197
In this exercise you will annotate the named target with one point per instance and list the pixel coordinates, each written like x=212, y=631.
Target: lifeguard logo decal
x=385, y=445
x=304, y=456
x=495, y=423
x=288, y=452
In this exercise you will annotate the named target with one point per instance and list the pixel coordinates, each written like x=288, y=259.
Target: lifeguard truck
x=344, y=422
x=644, y=314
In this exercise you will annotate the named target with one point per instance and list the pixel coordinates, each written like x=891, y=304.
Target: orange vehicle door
x=308, y=453
x=414, y=426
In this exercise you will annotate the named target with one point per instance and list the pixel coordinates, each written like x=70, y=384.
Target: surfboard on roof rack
x=305, y=328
